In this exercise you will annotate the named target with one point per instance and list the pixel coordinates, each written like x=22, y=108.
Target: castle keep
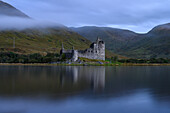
x=96, y=51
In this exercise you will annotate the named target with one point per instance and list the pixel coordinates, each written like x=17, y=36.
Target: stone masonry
x=96, y=51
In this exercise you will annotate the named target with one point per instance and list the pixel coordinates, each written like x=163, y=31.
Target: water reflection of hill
x=19, y=80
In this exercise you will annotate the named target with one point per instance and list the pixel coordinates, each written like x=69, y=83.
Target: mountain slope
x=155, y=43
x=114, y=38
x=8, y=10
x=41, y=40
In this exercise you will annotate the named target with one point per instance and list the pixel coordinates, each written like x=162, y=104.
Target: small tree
x=114, y=59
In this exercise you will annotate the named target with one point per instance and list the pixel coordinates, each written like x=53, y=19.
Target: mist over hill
x=34, y=36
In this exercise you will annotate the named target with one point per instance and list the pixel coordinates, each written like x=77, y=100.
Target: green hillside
x=44, y=41
x=114, y=38
x=37, y=40
x=41, y=40
x=154, y=44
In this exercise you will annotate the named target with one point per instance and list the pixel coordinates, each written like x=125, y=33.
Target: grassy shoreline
x=116, y=64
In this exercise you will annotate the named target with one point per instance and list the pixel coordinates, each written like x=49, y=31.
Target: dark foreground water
x=56, y=89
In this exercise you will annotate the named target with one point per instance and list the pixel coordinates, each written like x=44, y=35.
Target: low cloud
x=17, y=23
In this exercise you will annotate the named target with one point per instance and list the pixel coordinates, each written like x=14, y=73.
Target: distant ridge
x=154, y=44
x=8, y=10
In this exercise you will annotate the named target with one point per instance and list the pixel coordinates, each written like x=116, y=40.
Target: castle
x=96, y=51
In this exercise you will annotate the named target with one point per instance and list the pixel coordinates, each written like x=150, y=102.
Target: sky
x=136, y=15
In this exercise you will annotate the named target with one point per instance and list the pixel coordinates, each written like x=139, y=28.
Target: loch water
x=84, y=89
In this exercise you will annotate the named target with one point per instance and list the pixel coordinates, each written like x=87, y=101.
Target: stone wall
x=96, y=51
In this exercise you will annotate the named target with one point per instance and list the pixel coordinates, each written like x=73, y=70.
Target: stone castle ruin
x=96, y=51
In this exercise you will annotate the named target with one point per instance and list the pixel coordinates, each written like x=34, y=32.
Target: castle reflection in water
x=93, y=76
x=53, y=80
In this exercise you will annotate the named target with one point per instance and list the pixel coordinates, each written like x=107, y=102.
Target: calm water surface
x=57, y=89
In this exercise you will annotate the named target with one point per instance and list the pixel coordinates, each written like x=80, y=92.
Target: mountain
x=8, y=10
x=39, y=39
x=155, y=43
x=114, y=38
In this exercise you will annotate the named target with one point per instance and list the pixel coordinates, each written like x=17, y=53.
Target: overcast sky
x=136, y=15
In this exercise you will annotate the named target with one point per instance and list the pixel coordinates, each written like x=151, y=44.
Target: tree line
x=151, y=60
x=10, y=57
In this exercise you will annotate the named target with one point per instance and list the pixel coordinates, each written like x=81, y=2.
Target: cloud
x=141, y=14
x=17, y=23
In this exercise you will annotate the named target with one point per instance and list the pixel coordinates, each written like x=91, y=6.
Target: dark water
x=32, y=89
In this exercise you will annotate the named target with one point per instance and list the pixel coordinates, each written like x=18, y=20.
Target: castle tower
x=100, y=48
x=62, y=49
x=62, y=46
